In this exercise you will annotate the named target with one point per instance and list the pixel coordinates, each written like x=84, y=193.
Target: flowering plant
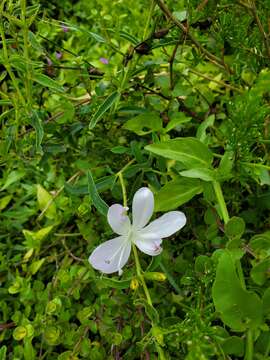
x=112, y=255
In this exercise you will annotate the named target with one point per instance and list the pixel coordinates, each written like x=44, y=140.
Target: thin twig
x=73, y=177
x=214, y=59
x=76, y=347
x=74, y=257
x=171, y=61
x=222, y=83
x=202, y=5
x=188, y=111
x=264, y=35
x=252, y=8
x=56, y=116
x=154, y=92
x=7, y=326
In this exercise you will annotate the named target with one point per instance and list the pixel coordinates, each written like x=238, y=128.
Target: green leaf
x=176, y=120
x=52, y=335
x=233, y=345
x=240, y=309
x=235, y=227
x=28, y=350
x=19, y=333
x=200, y=173
x=105, y=106
x=180, y=15
x=34, y=42
x=37, y=124
x=189, y=151
x=176, y=193
x=3, y=352
x=224, y=171
x=144, y=124
x=113, y=283
x=97, y=37
x=201, y=130
x=260, y=244
x=36, y=265
x=46, y=81
x=4, y=201
x=35, y=238
x=125, y=35
x=266, y=302
x=13, y=177
x=260, y=272
x=151, y=312
x=46, y=203
x=99, y=204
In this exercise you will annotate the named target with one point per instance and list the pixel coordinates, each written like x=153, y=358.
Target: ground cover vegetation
x=98, y=100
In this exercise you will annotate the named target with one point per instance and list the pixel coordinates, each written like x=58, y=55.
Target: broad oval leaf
x=240, y=309
x=144, y=123
x=176, y=193
x=189, y=151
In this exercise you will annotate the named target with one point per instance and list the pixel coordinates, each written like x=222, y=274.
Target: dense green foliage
x=102, y=96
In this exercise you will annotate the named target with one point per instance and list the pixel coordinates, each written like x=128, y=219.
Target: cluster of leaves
x=173, y=96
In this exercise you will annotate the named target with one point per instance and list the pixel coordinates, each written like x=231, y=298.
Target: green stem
x=262, y=166
x=7, y=64
x=221, y=201
x=152, y=7
x=140, y=275
x=26, y=54
x=249, y=346
x=136, y=257
x=122, y=182
x=124, y=192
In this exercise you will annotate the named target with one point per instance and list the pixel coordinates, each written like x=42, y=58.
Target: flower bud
x=134, y=284
x=157, y=276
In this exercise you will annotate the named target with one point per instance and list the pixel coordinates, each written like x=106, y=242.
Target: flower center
x=131, y=235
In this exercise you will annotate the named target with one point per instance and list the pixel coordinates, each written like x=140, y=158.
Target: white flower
x=112, y=255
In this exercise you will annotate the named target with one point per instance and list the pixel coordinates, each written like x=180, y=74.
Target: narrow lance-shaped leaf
x=99, y=204
x=105, y=106
x=46, y=81
x=200, y=173
x=36, y=122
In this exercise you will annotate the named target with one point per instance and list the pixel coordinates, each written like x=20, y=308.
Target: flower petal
x=118, y=219
x=111, y=256
x=164, y=226
x=142, y=207
x=149, y=246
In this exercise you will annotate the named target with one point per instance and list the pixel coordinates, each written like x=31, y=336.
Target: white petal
x=118, y=219
x=164, y=226
x=149, y=246
x=111, y=256
x=142, y=207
